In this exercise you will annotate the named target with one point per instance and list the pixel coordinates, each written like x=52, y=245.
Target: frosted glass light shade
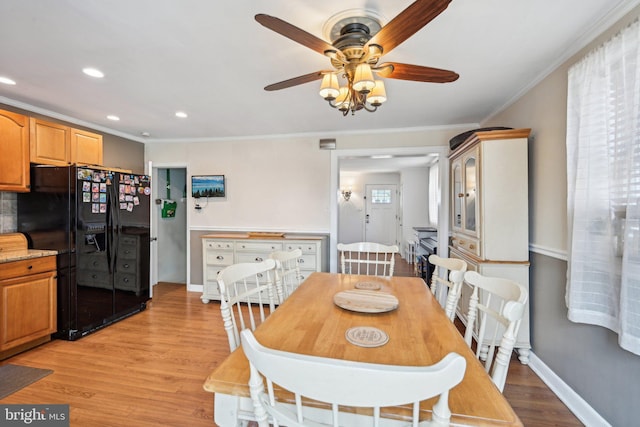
x=329, y=88
x=378, y=95
x=363, y=78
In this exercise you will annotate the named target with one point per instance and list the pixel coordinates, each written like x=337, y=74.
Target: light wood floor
x=148, y=370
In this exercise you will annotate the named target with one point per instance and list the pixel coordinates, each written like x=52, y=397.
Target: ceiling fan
x=357, y=44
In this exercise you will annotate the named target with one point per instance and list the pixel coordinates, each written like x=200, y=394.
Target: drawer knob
x=30, y=267
x=301, y=261
x=220, y=257
x=258, y=259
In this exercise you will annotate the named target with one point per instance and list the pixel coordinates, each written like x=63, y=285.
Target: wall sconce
x=346, y=194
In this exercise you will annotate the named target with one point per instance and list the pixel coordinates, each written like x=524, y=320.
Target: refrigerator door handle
x=110, y=237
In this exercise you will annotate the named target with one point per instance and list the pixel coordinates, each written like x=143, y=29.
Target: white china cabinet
x=489, y=212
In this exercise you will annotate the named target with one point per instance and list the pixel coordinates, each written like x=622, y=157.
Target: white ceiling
x=211, y=59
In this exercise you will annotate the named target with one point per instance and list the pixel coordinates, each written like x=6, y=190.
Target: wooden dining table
x=420, y=334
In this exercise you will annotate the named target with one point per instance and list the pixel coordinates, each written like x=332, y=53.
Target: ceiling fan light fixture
x=329, y=88
x=378, y=95
x=363, y=79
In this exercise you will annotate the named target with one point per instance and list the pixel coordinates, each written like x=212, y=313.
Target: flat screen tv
x=207, y=186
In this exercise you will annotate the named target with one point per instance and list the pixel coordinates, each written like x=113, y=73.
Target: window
x=603, y=186
x=381, y=196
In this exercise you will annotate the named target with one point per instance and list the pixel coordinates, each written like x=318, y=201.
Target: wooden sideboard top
x=260, y=236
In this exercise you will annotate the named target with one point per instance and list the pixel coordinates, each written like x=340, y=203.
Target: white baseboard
x=194, y=288
x=569, y=397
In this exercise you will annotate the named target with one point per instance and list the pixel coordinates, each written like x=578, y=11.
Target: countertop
x=20, y=254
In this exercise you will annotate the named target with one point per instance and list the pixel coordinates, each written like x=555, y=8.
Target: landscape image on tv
x=207, y=186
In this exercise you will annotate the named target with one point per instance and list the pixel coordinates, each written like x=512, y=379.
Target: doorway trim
x=443, y=169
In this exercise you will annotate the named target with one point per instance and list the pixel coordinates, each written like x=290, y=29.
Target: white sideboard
x=490, y=212
x=220, y=250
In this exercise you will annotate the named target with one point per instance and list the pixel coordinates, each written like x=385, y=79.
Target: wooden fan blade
x=416, y=73
x=407, y=23
x=294, y=33
x=317, y=75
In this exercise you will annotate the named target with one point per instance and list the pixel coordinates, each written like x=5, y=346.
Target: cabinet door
x=50, y=143
x=14, y=146
x=470, y=167
x=27, y=309
x=86, y=147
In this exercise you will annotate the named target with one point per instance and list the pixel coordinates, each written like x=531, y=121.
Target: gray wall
x=123, y=153
x=586, y=357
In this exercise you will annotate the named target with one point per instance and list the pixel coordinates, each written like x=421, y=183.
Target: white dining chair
x=497, y=305
x=288, y=276
x=248, y=296
x=344, y=383
x=367, y=258
x=448, y=280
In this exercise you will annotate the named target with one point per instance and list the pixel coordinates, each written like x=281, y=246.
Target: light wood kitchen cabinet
x=220, y=250
x=86, y=147
x=14, y=146
x=50, y=143
x=27, y=303
x=60, y=145
x=490, y=212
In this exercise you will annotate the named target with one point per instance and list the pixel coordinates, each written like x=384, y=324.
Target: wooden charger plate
x=365, y=301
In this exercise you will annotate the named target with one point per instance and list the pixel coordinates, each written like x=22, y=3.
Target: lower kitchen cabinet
x=27, y=303
x=220, y=250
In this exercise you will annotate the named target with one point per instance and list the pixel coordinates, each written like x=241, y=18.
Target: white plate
x=366, y=336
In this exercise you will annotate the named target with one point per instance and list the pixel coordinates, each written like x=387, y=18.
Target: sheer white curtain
x=603, y=177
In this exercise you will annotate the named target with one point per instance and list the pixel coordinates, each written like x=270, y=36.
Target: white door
x=380, y=213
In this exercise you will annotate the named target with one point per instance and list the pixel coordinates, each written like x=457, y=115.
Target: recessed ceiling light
x=382, y=156
x=93, y=72
x=112, y=117
x=181, y=114
x=7, y=81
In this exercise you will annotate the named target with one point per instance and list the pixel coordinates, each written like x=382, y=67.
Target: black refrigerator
x=98, y=221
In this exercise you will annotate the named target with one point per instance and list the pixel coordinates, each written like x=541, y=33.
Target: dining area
x=350, y=349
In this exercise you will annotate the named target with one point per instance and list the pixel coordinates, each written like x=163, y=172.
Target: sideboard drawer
x=218, y=257
x=218, y=244
x=265, y=247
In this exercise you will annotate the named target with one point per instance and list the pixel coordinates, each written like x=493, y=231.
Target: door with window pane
x=381, y=213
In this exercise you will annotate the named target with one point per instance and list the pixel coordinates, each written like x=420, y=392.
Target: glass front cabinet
x=489, y=212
